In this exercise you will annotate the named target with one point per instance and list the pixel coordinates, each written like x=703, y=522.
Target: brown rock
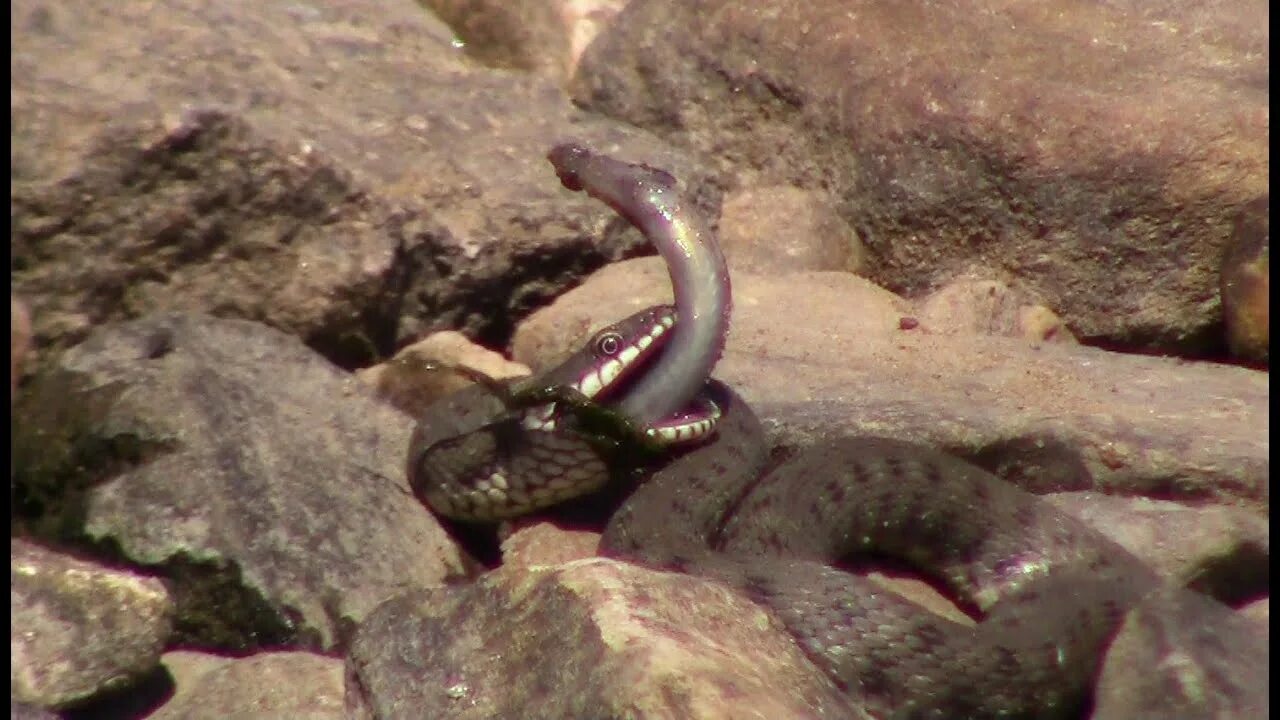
x=1259, y=611
x=610, y=638
x=623, y=288
x=525, y=36
x=542, y=543
x=275, y=684
x=1222, y=550
x=1096, y=153
x=544, y=37
x=79, y=628
x=265, y=483
x=19, y=340
x=1132, y=424
x=1246, y=283
x=776, y=230
x=409, y=382
x=1170, y=655
x=340, y=171
x=990, y=307
x=23, y=711
x=586, y=20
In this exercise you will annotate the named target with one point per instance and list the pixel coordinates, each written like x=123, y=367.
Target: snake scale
x=1050, y=590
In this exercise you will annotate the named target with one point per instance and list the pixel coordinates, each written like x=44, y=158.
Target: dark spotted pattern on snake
x=1050, y=590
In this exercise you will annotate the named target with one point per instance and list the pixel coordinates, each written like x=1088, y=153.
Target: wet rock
x=1096, y=153
x=1246, y=284
x=80, y=628
x=266, y=484
x=776, y=230
x=273, y=684
x=408, y=381
x=1128, y=424
x=591, y=638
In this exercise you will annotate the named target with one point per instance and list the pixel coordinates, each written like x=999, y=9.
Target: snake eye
x=609, y=344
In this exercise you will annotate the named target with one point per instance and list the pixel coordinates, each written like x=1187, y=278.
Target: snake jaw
x=614, y=359
x=686, y=428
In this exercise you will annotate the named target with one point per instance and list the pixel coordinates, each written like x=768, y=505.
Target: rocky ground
x=1033, y=235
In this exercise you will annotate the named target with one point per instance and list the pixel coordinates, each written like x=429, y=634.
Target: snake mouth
x=620, y=355
x=617, y=369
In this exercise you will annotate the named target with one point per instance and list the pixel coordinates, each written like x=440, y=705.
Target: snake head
x=501, y=449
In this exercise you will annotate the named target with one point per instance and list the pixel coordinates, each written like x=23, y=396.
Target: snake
x=707, y=498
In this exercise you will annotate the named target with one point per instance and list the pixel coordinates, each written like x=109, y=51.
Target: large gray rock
x=592, y=638
x=266, y=685
x=78, y=628
x=265, y=483
x=338, y=170
x=1180, y=653
x=1094, y=152
x=1223, y=550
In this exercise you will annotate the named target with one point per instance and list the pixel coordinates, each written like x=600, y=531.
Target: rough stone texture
x=78, y=628
x=345, y=172
x=1222, y=550
x=1093, y=154
x=265, y=483
x=620, y=289
x=1168, y=656
x=586, y=20
x=542, y=543
x=989, y=307
x=408, y=381
x=337, y=170
x=776, y=230
x=1246, y=283
x=22, y=711
x=1258, y=611
x=186, y=667
x=19, y=339
x=543, y=37
x=1131, y=425
x=627, y=642
x=546, y=37
x=522, y=36
x=276, y=684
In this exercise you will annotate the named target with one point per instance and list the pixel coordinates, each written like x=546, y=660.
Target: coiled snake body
x=1050, y=589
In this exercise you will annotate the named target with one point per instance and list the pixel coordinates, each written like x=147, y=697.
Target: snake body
x=648, y=199
x=1051, y=591
x=778, y=534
